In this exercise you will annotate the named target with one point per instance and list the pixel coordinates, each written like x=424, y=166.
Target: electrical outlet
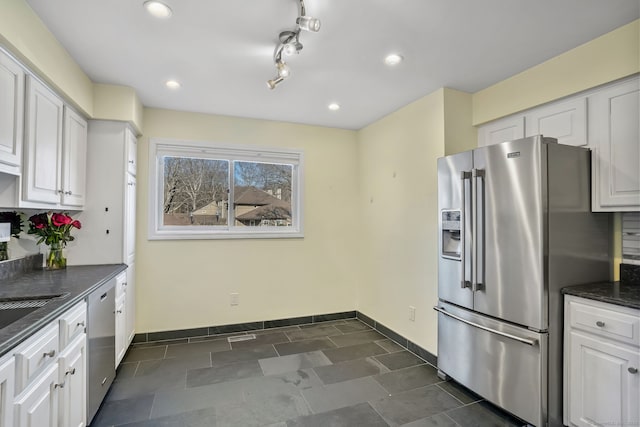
x=234, y=298
x=412, y=313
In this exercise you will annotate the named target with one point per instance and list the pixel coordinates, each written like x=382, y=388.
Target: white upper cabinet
x=606, y=120
x=132, y=152
x=55, y=152
x=74, y=159
x=11, y=114
x=43, y=151
x=566, y=121
x=502, y=130
x=614, y=126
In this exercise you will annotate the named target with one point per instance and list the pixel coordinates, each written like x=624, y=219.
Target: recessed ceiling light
x=173, y=84
x=333, y=106
x=158, y=9
x=393, y=59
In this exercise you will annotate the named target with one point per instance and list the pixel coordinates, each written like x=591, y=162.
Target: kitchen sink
x=14, y=309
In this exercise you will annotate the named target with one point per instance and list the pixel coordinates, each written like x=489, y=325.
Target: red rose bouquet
x=54, y=230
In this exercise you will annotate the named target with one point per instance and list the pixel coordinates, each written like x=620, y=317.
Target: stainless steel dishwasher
x=101, y=335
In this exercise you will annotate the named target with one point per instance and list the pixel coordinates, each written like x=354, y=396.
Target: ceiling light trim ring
x=290, y=44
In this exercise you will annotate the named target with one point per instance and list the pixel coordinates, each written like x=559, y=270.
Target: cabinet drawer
x=73, y=323
x=606, y=321
x=38, y=352
x=121, y=285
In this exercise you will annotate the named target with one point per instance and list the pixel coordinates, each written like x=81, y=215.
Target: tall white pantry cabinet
x=108, y=220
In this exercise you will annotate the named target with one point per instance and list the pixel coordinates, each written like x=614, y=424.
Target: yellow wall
x=459, y=134
x=607, y=58
x=25, y=36
x=398, y=205
x=22, y=32
x=117, y=103
x=186, y=284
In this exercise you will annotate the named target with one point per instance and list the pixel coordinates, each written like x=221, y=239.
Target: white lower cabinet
x=73, y=374
x=51, y=386
x=602, y=364
x=121, y=335
x=37, y=405
x=7, y=375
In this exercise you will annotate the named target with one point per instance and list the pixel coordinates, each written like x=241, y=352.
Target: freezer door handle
x=464, y=283
x=484, y=328
x=477, y=211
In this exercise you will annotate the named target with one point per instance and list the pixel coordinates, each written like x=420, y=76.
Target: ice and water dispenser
x=450, y=228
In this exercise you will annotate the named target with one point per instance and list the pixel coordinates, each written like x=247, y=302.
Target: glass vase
x=4, y=251
x=55, y=258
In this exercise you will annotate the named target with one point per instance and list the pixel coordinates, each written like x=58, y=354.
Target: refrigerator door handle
x=464, y=283
x=484, y=328
x=477, y=270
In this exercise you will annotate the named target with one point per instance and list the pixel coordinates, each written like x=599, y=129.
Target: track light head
x=308, y=23
x=283, y=70
x=289, y=44
x=292, y=48
x=271, y=84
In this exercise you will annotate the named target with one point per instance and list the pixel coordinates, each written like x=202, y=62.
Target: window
x=211, y=191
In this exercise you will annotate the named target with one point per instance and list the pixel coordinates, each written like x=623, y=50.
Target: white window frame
x=159, y=148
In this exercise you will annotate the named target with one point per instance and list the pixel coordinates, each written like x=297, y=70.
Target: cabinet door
x=74, y=159
x=7, y=374
x=507, y=129
x=603, y=382
x=130, y=304
x=566, y=121
x=615, y=139
x=43, y=150
x=73, y=373
x=37, y=406
x=11, y=114
x=132, y=151
x=121, y=335
x=130, y=219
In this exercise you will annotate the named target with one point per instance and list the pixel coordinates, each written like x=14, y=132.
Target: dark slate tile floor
x=338, y=373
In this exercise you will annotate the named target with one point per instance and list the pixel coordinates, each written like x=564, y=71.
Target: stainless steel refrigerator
x=515, y=227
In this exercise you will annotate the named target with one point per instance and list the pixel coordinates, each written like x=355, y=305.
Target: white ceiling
x=222, y=51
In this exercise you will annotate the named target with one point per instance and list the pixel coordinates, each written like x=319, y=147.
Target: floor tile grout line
x=379, y=414
x=452, y=420
x=438, y=385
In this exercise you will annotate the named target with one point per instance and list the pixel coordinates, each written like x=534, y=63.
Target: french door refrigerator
x=515, y=226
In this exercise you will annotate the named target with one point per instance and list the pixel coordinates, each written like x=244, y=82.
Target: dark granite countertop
x=73, y=283
x=624, y=294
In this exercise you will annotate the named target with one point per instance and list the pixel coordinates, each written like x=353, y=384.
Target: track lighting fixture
x=290, y=44
x=271, y=84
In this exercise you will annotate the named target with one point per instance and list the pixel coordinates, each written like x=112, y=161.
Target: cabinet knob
x=131, y=161
x=71, y=371
x=119, y=311
x=61, y=385
x=49, y=353
x=80, y=324
x=632, y=370
x=600, y=324
x=61, y=191
x=68, y=193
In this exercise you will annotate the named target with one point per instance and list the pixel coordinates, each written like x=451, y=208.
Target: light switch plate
x=5, y=231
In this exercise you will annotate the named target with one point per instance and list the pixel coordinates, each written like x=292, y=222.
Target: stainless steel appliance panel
x=510, y=225
x=454, y=202
x=101, y=334
x=503, y=363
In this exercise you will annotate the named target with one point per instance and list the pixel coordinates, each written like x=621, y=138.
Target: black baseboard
x=292, y=321
x=404, y=342
x=240, y=327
